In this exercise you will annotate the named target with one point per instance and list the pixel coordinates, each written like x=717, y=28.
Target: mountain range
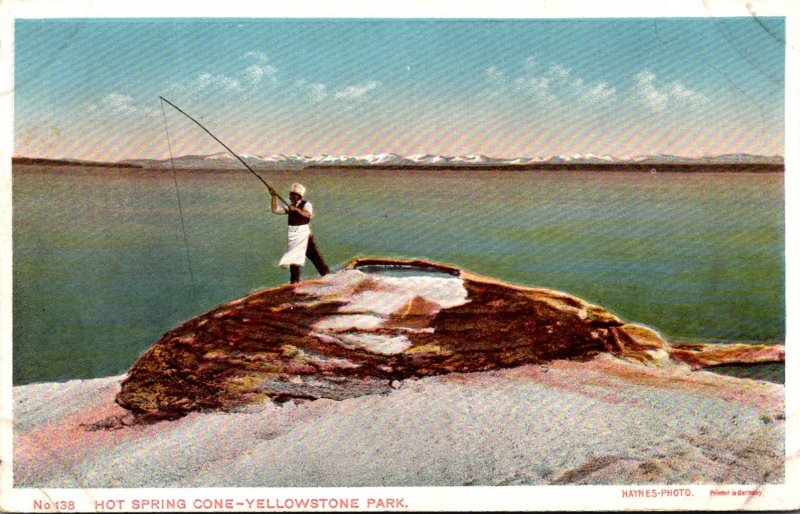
x=224, y=160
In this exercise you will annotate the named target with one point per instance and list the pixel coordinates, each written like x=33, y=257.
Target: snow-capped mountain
x=225, y=160
x=470, y=159
x=427, y=158
x=579, y=158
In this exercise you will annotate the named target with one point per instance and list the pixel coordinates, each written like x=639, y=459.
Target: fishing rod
x=270, y=188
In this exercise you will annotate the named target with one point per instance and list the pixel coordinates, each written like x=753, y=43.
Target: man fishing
x=300, y=211
x=301, y=240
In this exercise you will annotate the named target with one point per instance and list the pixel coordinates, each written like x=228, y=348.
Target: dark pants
x=312, y=252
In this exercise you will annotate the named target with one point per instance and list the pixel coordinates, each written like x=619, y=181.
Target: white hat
x=298, y=188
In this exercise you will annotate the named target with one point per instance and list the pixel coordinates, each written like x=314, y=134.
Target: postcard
x=416, y=256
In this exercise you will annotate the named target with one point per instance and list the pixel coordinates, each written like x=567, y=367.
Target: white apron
x=296, y=250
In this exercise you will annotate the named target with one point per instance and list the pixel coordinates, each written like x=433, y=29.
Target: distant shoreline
x=66, y=162
x=639, y=166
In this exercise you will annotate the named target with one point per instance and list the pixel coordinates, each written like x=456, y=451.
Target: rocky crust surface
x=602, y=421
x=356, y=332
x=481, y=382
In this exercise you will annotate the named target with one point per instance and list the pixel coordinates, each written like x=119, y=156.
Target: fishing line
x=180, y=205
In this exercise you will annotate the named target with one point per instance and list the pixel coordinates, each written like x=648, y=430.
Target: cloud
x=260, y=70
x=670, y=96
x=259, y=56
x=498, y=79
x=118, y=104
x=319, y=92
x=559, y=75
x=357, y=92
x=209, y=82
x=495, y=75
x=315, y=92
x=255, y=73
x=599, y=93
x=538, y=87
x=555, y=85
x=113, y=103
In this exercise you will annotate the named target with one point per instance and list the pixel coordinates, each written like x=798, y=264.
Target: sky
x=89, y=88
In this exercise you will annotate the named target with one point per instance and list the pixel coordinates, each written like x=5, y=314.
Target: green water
x=101, y=271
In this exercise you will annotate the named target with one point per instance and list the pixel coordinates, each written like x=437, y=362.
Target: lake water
x=101, y=270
